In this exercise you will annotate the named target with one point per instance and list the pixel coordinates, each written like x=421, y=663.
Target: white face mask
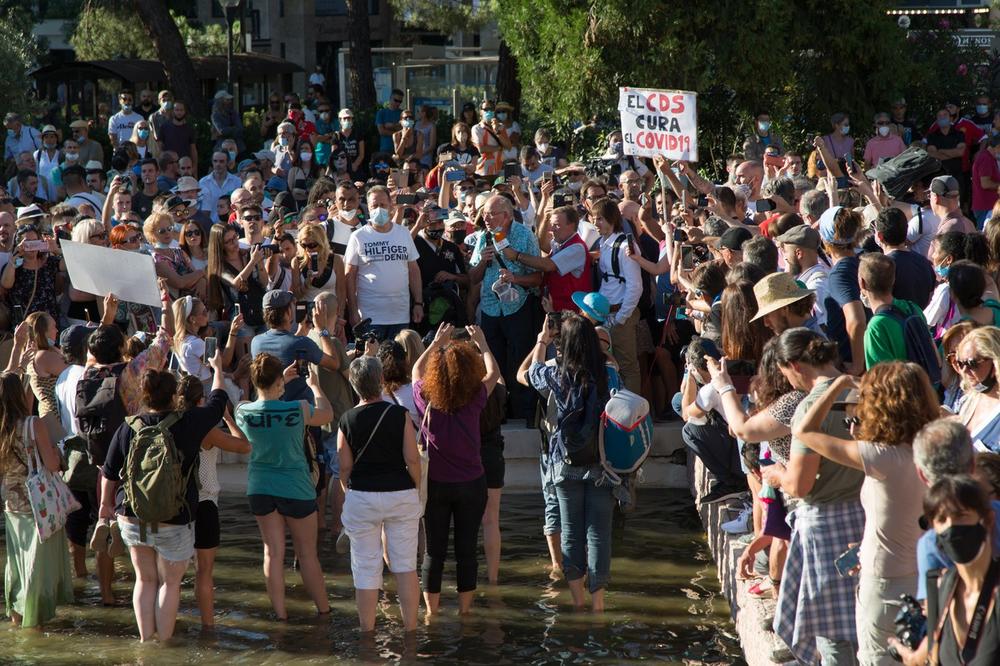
x=542, y=147
x=883, y=130
x=305, y=156
x=349, y=214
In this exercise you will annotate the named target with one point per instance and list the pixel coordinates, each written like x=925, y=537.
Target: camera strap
x=979, y=614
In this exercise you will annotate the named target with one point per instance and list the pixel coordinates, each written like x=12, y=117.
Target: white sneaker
x=741, y=523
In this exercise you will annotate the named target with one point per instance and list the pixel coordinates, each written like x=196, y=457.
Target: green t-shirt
x=884, y=339
x=834, y=483
x=334, y=383
x=278, y=466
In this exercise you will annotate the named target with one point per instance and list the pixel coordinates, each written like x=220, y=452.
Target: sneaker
x=720, y=493
x=102, y=535
x=741, y=524
x=761, y=589
x=117, y=546
x=343, y=542
x=746, y=539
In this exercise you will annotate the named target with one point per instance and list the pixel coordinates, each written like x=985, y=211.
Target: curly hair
x=395, y=365
x=895, y=400
x=768, y=384
x=453, y=376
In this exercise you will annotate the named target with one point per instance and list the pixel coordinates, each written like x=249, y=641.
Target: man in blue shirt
x=387, y=120
x=279, y=341
x=508, y=304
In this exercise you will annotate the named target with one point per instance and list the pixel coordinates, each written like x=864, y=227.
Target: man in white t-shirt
x=382, y=272
x=120, y=125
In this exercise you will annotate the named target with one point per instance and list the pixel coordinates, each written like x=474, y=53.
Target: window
x=331, y=8
x=373, y=7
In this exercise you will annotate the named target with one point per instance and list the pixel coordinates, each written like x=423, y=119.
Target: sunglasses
x=969, y=363
x=397, y=100
x=252, y=218
x=309, y=246
x=163, y=230
x=191, y=233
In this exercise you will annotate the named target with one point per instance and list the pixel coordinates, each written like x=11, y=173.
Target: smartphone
x=549, y=176
x=631, y=240
x=848, y=561
x=849, y=160
x=446, y=157
x=843, y=183
x=301, y=364
x=510, y=170
x=453, y=176
x=702, y=201
x=553, y=321
x=741, y=383
x=273, y=248
x=36, y=246
x=765, y=462
x=314, y=263
x=211, y=346
x=439, y=214
x=397, y=177
x=236, y=310
x=764, y=205
x=687, y=256
x=411, y=178
x=18, y=313
x=710, y=349
x=774, y=160
x=406, y=199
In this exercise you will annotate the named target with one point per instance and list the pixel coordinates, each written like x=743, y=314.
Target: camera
x=607, y=168
x=910, y=623
x=363, y=333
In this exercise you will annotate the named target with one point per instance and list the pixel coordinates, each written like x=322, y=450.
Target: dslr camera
x=910, y=623
x=363, y=333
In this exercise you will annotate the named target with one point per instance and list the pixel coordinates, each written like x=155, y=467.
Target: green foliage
x=445, y=16
x=18, y=53
x=104, y=32
x=798, y=61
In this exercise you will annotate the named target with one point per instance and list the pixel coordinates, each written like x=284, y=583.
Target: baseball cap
x=801, y=235
x=222, y=94
x=94, y=165
x=185, y=183
x=945, y=186
x=733, y=238
x=244, y=164
x=277, y=299
x=79, y=124
x=73, y=340
x=264, y=155
x=49, y=129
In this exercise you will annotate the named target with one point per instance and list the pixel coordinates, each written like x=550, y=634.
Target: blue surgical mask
x=126, y=108
x=407, y=123
x=982, y=109
x=379, y=217
x=944, y=122
x=501, y=115
x=232, y=155
x=488, y=115
x=346, y=124
x=282, y=140
x=617, y=147
x=845, y=130
x=764, y=125
x=10, y=133
x=942, y=271
x=143, y=134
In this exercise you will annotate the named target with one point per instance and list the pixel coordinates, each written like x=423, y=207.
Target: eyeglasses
x=969, y=363
x=163, y=230
x=191, y=233
x=252, y=218
x=309, y=246
x=397, y=100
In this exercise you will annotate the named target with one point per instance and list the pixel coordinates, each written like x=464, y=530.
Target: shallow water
x=663, y=604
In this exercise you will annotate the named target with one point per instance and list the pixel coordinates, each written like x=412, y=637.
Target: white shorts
x=365, y=516
x=171, y=542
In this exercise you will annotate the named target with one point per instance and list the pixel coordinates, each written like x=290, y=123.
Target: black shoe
x=721, y=492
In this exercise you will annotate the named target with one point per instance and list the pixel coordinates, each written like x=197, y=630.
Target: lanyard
x=978, y=618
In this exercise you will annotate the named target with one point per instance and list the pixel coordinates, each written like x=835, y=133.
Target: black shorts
x=262, y=505
x=78, y=523
x=206, y=525
x=493, y=464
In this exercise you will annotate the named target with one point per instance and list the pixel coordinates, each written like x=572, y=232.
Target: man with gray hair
x=781, y=191
x=812, y=205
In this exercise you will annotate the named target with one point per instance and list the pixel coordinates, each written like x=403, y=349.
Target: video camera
x=363, y=333
x=603, y=168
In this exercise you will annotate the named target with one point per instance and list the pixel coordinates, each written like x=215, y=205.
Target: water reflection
x=663, y=604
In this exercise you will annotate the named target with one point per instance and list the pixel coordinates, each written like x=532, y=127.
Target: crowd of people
x=362, y=324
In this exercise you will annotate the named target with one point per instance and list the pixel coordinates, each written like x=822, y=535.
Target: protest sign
x=659, y=122
x=101, y=271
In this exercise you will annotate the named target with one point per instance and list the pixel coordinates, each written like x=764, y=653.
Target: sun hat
x=776, y=291
x=593, y=304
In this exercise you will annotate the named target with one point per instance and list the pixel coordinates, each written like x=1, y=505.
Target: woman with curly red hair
x=894, y=401
x=451, y=383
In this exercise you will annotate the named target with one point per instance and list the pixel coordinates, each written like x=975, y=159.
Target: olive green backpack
x=153, y=476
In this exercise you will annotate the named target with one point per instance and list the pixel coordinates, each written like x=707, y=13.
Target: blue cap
x=594, y=305
x=827, y=231
x=245, y=164
x=276, y=183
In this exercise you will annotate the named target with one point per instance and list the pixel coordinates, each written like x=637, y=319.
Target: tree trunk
x=508, y=85
x=361, y=76
x=170, y=48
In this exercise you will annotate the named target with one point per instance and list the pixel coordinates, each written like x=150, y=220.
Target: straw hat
x=776, y=291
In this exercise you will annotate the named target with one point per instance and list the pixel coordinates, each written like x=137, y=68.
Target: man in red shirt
x=985, y=180
x=303, y=128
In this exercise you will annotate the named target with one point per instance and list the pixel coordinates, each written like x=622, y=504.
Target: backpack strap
x=616, y=269
x=371, y=435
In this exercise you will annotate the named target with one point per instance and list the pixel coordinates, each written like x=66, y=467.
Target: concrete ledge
x=749, y=614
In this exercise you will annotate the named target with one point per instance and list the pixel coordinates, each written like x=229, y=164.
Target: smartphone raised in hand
x=211, y=346
x=301, y=364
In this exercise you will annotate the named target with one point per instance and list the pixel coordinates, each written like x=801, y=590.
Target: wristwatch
x=324, y=333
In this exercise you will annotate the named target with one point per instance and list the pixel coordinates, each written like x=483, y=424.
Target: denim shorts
x=171, y=542
x=329, y=457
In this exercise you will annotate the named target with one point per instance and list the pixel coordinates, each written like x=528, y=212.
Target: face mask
x=50, y=145
x=325, y=116
x=542, y=147
x=764, y=125
x=407, y=123
x=346, y=124
x=845, y=130
x=283, y=141
x=18, y=262
x=944, y=122
x=10, y=133
x=962, y=542
x=349, y=214
x=617, y=147
x=864, y=301
x=126, y=108
x=340, y=165
x=458, y=237
x=488, y=115
x=305, y=156
x=167, y=106
x=52, y=343
x=987, y=384
x=942, y=271
x=143, y=134
x=502, y=115
x=982, y=109
x=379, y=217
x=883, y=130
x=71, y=157
x=575, y=185
x=435, y=234
x=232, y=155
x=161, y=246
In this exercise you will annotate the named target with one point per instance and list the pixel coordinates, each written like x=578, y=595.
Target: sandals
x=101, y=539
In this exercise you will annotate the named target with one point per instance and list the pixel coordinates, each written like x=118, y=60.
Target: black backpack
x=578, y=419
x=920, y=347
x=99, y=408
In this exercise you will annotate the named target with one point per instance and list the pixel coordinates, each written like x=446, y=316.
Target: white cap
x=93, y=165
x=186, y=183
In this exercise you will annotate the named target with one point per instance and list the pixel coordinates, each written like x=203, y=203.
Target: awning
x=245, y=65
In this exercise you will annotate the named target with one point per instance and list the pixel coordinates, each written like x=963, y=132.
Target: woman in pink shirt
x=884, y=145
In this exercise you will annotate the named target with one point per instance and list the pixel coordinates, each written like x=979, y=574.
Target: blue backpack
x=626, y=434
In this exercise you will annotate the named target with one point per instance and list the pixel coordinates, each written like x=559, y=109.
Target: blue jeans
x=586, y=511
x=552, y=523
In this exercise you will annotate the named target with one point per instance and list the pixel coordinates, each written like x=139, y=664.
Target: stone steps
x=521, y=448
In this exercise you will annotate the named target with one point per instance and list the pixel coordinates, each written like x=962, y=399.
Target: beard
x=794, y=265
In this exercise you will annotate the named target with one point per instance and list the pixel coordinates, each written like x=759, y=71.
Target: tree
x=171, y=51
x=18, y=53
x=106, y=32
x=207, y=40
x=362, y=77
